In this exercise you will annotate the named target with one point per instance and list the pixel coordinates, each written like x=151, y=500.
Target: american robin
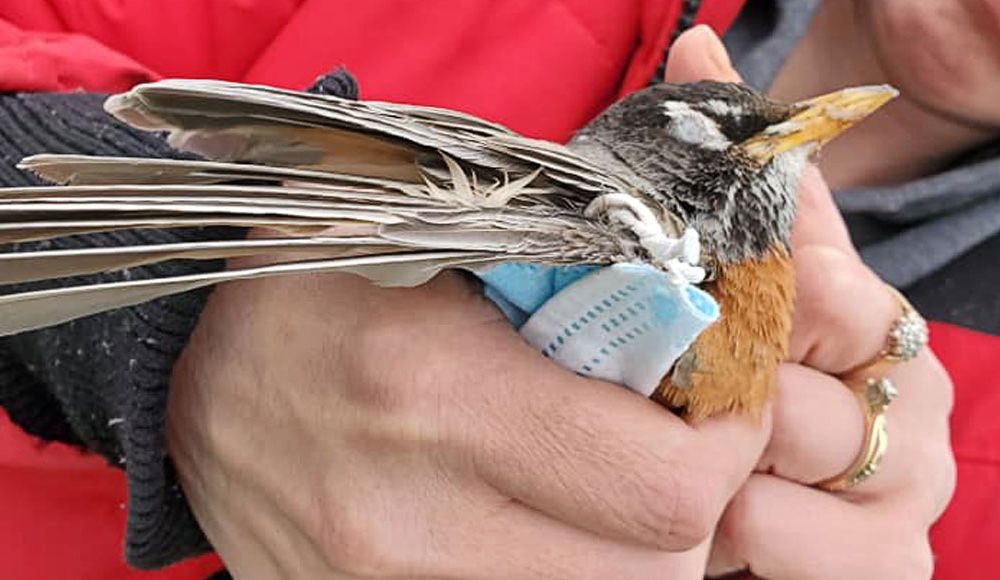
x=697, y=179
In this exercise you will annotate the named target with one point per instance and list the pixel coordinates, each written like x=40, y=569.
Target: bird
x=696, y=179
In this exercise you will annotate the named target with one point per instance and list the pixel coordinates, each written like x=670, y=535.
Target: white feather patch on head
x=722, y=108
x=694, y=127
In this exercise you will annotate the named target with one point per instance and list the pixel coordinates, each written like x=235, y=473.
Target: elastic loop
x=679, y=257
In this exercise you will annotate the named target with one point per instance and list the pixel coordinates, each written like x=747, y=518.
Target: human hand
x=324, y=428
x=778, y=527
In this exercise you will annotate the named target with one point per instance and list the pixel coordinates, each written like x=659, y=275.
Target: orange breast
x=732, y=365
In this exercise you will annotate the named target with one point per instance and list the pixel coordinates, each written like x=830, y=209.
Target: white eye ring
x=694, y=127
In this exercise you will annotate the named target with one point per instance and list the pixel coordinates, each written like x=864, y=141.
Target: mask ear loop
x=678, y=257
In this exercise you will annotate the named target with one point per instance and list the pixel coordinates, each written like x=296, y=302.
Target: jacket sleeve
x=32, y=60
x=101, y=381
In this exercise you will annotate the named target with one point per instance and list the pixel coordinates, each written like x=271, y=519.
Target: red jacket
x=541, y=67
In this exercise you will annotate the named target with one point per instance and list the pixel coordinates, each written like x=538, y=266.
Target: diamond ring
x=907, y=337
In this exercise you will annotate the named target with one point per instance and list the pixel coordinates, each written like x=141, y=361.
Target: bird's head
x=723, y=157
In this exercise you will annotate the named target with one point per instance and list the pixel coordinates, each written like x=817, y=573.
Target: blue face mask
x=627, y=323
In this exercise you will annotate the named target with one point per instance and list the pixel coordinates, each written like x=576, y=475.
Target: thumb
x=697, y=55
x=817, y=219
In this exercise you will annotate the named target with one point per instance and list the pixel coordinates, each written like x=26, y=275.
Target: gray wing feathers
x=391, y=192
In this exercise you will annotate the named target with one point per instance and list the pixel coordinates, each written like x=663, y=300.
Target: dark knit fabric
x=31, y=406
x=101, y=381
x=339, y=83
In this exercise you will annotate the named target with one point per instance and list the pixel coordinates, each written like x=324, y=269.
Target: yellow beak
x=818, y=121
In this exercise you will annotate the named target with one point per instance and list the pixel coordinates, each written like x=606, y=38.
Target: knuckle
x=398, y=365
x=402, y=398
x=943, y=396
x=740, y=523
x=368, y=380
x=929, y=489
x=671, y=509
x=384, y=373
x=830, y=284
x=916, y=562
x=949, y=476
x=357, y=546
x=946, y=483
x=826, y=277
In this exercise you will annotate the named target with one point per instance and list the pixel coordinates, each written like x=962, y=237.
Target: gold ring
x=875, y=398
x=907, y=337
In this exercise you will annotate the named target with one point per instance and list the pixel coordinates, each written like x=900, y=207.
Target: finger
x=819, y=431
x=513, y=541
x=817, y=219
x=843, y=312
x=698, y=54
x=832, y=539
x=919, y=467
x=818, y=426
x=602, y=458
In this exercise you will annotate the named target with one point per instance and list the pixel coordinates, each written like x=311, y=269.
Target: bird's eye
x=739, y=121
x=693, y=126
